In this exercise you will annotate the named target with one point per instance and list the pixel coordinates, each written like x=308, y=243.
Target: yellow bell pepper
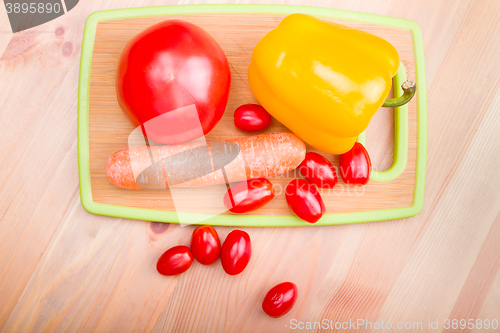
x=322, y=80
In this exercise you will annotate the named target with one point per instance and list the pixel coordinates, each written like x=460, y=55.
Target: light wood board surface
x=109, y=129
x=62, y=269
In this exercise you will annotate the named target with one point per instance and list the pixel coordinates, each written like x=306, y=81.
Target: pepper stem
x=409, y=89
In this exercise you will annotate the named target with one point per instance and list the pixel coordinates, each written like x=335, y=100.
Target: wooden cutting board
x=237, y=34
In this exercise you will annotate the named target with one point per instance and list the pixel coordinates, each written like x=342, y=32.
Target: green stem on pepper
x=409, y=89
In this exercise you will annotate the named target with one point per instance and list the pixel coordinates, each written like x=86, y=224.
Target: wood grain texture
x=62, y=269
x=109, y=129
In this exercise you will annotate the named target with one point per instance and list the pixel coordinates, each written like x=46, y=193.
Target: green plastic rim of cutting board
x=246, y=220
x=400, y=135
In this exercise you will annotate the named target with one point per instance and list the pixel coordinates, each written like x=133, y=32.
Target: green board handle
x=400, y=135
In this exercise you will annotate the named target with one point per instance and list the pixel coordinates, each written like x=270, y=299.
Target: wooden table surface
x=63, y=269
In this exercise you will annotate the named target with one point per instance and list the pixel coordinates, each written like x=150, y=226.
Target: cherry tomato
x=355, y=165
x=249, y=195
x=280, y=299
x=236, y=252
x=205, y=245
x=318, y=171
x=251, y=118
x=177, y=70
x=304, y=200
x=175, y=261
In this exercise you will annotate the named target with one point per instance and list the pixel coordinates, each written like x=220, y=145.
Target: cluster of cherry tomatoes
x=234, y=254
x=302, y=196
x=206, y=249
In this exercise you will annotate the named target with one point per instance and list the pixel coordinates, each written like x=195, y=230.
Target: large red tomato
x=176, y=76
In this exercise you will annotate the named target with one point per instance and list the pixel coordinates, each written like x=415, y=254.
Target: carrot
x=200, y=164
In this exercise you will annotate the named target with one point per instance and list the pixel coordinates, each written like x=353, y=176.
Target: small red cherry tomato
x=249, y=195
x=205, y=245
x=175, y=261
x=355, y=165
x=251, y=118
x=280, y=299
x=304, y=200
x=318, y=171
x=236, y=252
